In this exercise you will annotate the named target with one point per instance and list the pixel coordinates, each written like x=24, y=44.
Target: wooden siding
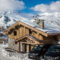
x=24, y=31
x=26, y=26
x=29, y=36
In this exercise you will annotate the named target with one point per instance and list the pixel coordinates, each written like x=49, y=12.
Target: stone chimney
x=40, y=23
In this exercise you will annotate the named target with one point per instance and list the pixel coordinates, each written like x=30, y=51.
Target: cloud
x=53, y=7
x=11, y=5
x=40, y=8
x=50, y=13
x=27, y=15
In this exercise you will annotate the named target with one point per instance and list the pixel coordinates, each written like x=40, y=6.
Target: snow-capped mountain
x=9, y=19
x=4, y=20
x=51, y=20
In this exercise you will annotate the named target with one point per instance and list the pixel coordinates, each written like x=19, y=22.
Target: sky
x=29, y=8
x=32, y=3
x=48, y=10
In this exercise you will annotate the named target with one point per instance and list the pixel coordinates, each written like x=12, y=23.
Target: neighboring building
x=2, y=36
x=23, y=36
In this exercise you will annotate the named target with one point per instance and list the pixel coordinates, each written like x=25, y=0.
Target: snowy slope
x=51, y=20
x=4, y=20
x=9, y=19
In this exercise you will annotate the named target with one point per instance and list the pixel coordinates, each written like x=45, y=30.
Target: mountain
x=4, y=20
x=9, y=19
x=51, y=20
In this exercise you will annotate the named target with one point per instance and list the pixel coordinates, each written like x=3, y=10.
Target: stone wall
x=1, y=41
x=13, y=45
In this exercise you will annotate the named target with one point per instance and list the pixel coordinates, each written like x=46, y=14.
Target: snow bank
x=11, y=55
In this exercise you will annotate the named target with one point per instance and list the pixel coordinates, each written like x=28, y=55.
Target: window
x=30, y=31
x=15, y=33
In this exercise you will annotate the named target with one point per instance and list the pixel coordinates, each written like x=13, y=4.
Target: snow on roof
x=29, y=23
x=46, y=30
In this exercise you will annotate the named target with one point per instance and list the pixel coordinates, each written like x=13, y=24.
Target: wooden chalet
x=23, y=36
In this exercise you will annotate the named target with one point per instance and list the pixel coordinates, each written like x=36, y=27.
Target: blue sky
x=32, y=3
x=29, y=8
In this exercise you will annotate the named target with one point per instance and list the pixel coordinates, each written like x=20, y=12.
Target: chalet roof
x=29, y=23
x=49, y=30
x=45, y=31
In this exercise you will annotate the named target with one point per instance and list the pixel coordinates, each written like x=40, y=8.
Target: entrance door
x=29, y=47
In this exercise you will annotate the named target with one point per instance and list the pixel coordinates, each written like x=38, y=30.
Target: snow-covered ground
x=4, y=55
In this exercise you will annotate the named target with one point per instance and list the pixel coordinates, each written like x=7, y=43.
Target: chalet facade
x=23, y=37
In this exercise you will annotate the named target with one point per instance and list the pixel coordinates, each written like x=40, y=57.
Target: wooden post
x=19, y=47
x=27, y=48
x=32, y=47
